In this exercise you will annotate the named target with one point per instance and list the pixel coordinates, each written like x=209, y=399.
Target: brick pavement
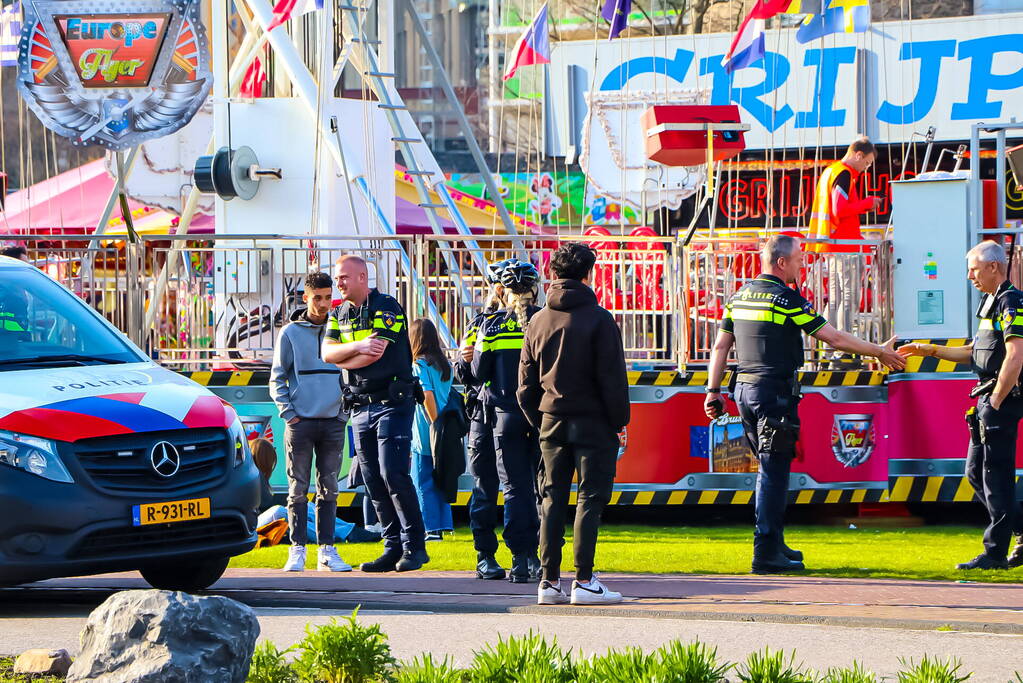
x=996, y=608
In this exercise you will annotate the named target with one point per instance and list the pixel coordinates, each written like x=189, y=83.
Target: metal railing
x=224, y=298
x=717, y=268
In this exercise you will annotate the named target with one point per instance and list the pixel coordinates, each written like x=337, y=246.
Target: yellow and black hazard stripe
x=942, y=489
x=229, y=378
x=931, y=364
x=698, y=378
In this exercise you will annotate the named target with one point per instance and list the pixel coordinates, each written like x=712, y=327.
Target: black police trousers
x=518, y=458
x=769, y=400
x=991, y=471
x=484, y=515
x=571, y=445
x=383, y=444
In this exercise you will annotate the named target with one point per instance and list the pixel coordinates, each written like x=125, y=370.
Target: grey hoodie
x=301, y=384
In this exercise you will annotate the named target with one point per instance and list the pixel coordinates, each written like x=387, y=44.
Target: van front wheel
x=190, y=577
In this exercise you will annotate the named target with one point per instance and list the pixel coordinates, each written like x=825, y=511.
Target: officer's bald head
x=352, y=277
x=782, y=257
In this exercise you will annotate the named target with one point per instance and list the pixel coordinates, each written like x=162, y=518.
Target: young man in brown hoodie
x=573, y=388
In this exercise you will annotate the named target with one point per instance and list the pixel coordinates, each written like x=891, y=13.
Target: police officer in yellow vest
x=368, y=337
x=765, y=320
x=996, y=354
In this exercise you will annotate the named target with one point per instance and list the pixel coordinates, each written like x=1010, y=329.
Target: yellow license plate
x=174, y=511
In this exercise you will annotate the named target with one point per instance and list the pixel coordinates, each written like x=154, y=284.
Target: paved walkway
x=923, y=605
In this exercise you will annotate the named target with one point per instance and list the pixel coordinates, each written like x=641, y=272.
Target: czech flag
x=533, y=47
x=748, y=46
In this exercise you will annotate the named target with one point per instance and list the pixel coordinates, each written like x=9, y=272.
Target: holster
x=733, y=379
x=983, y=388
x=975, y=426
x=777, y=435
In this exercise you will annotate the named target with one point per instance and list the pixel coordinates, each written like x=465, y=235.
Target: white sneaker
x=548, y=593
x=327, y=560
x=593, y=593
x=296, y=559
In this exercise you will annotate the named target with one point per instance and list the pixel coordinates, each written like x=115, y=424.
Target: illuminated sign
x=113, y=73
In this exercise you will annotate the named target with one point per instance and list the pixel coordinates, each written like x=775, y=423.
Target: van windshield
x=44, y=325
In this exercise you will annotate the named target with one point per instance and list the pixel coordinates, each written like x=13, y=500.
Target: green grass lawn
x=918, y=553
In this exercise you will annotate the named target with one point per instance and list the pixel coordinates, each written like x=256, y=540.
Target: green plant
x=850, y=674
x=932, y=671
x=945, y=627
x=694, y=662
x=765, y=666
x=518, y=660
x=269, y=665
x=344, y=653
x=425, y=670
x=630, y=665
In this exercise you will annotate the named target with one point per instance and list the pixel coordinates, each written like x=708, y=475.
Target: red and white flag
x=533, y=47
x=289, y=9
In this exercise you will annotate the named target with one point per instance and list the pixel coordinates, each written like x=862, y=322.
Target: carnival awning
x=73, y=201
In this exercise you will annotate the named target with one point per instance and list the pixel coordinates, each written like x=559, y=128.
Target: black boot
x=535, y=570
x=520, y=569
x=1016, y=558
x=412, y=560
x=772, y=560
x=487, y=567
x=983, y=561
x=384, y=563
x=790, y=553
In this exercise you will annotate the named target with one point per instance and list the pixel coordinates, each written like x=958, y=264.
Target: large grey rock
x=160, y=636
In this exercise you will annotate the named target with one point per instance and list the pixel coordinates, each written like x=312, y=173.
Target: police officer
x=495, y=365
x=368, y=336
x=996, y=354
x=483, y=511
x=765, y=320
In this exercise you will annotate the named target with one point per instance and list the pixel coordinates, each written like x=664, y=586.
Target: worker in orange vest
x=836, y=216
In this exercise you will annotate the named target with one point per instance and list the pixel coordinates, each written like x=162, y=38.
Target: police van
x=108, y=461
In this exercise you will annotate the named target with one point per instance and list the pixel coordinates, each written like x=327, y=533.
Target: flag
x=841, y=16
x=616, y=12
x=252, y=83
x=288, y=9
x=10, y=34
x=748, y=46
x=533, y=47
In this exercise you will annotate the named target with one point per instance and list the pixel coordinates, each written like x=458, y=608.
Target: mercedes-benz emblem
x=165, y=458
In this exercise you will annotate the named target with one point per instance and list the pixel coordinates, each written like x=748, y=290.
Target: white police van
x=109, y=462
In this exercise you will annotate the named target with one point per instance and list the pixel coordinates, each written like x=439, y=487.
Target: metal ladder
x=364, y=58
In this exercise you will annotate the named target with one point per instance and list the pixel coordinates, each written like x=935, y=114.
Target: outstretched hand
x=891, y=358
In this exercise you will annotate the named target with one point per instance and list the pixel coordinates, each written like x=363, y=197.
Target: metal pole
x=463, y=123
x=1000, y=178
x=493, y=85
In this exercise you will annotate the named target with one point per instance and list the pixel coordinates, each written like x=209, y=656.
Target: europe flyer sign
x=113, y=73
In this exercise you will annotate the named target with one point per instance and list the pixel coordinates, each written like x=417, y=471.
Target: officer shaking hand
x=996, y=354
x=765, y=320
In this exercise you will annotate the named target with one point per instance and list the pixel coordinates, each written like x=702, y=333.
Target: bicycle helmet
x=494, y=270
x=520, y=276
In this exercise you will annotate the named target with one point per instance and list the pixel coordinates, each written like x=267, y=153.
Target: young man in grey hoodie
x=307, y=392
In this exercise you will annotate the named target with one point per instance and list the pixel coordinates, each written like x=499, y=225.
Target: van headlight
x=239, y=444
x=33, y=454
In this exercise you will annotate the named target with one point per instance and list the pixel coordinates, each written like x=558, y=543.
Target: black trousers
x=770, y=399
x=383, y=443
x=571, y=445
x=991, y=471
x=518, y=457
x=484, y=513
